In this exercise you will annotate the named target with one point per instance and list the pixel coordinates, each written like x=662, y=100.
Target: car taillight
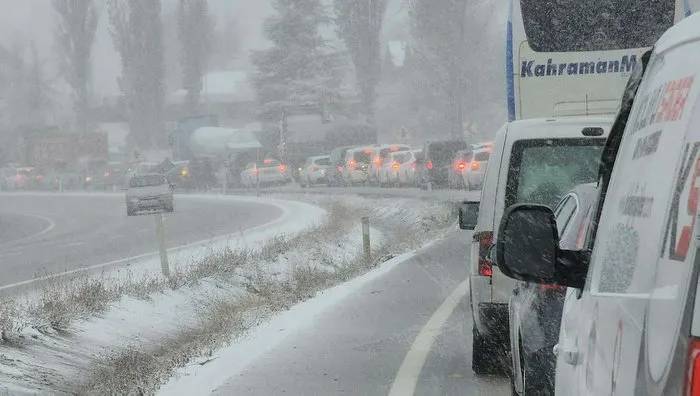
x=352, y=164
x=395, y=166
x=485, y=240
x=693, y=373
x=283, y=168
x=476, y=165
x=460, y=166
x=429, y=165
x=377, y=161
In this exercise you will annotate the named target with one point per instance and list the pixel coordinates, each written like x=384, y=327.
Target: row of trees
x=303, y=67
x=137, y=32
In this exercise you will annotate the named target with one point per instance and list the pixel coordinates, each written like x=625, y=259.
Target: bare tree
x=359, y=24
x=136, y=29
x=75, y=34
x=195, y=34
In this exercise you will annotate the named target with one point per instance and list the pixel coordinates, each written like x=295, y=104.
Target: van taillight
x=693, y=373
x=485, y=240
x=429, y=165
x=476, y=165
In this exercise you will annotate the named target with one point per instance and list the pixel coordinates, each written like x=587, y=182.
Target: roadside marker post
x=365, y=239
x=160, y=233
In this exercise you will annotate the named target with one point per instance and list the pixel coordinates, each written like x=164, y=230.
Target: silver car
x=149, y=192
x=536, y=309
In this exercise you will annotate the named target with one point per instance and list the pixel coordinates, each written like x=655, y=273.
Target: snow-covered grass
x=128, y=334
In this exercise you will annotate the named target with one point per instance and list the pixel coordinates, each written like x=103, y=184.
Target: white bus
x=574, y=57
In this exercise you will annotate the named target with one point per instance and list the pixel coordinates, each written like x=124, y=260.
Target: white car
x=314, y=171
x=631, y=319
x=380, y=157
x=476, y=170
x=531, y=163
x=266, y=172
x=149, y=192
x=390, y=171
x=357, y=161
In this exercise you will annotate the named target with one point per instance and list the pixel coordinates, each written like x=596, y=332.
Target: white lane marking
x=47, y=229
x=407, y=376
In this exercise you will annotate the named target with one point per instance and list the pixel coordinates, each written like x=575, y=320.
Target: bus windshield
x=596, y=25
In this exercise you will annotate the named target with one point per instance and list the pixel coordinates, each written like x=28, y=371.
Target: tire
x=130, y=210
x=538, y=373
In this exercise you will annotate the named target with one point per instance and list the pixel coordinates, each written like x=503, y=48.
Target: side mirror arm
x=572, y=267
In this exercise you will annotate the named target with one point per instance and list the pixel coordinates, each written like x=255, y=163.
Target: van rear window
x=543, y=170
x=594, y=25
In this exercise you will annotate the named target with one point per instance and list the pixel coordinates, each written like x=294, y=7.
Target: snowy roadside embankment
x=132, y=332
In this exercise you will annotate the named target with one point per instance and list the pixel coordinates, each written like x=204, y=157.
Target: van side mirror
x=527, y=249
x=468, y=215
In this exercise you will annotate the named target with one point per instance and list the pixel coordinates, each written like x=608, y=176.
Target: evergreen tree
x=301, y=68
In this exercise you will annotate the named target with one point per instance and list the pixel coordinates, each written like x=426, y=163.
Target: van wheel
x=537, y=370
x=483, y=356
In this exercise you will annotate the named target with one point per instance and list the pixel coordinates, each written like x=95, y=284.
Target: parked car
x=531, y=163
x=389, y=173
x=437, y=162
x=314, y=171
x=263, y=173
x=356, y=168
x=380, y=156
x=407, y=170
x=460, y=165
x=631, y=313
x=149, y=192
x=474, y=174
x=337, y=166
x=535, y=309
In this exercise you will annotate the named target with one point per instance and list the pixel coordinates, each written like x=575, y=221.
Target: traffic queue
x=440, y=164
x=584, y=269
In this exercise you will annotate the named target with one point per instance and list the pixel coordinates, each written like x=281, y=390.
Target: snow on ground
x=196, y=378
x=50, y=360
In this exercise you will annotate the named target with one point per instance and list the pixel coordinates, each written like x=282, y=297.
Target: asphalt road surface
x=50, y=233
x=358, y=346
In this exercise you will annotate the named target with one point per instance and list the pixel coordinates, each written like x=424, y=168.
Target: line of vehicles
x=439, y=164
x=585, y=266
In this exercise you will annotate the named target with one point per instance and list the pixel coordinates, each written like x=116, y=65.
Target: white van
x=631, y=320
x=531, y=162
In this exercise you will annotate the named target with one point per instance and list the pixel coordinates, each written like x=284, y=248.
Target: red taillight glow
x=413, y=165
x=429, y=165
x=485, y=240
x=352, y=164
x=283, y=168
x=460, y=166
x=377, y=161
x=476, y=165
x=693, y=373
